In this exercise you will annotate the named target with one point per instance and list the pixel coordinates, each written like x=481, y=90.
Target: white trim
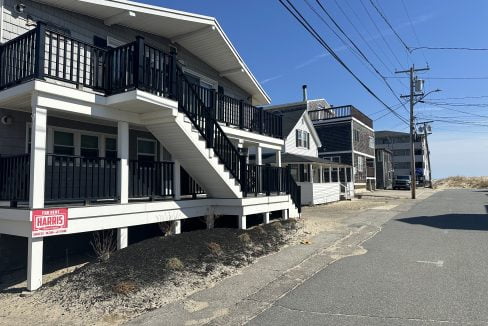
x=155, y=155
x=2, y=21
x=364, y=154
x=335, y=152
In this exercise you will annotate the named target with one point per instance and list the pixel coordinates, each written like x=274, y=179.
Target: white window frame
x=302, y=138
x=361, y=162
x=155, y=155
x=77, y=139
x=371, y=142
x=203, y=78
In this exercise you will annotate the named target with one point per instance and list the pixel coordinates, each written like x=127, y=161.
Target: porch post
x=310, y=172
x=284, y=214
x=339, y=175
x=38, y=155
x=122, y=238
x=266, y=218
x=259, y=155
x=177, y=179
x=242, y=222
x=278, y=159
x=34, y=263
x=345, y=174
x=330, y=174
x=123, y=154
x=176, y=227
x=321, y=174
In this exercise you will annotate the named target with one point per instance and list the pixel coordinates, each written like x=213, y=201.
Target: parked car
x=402, y=182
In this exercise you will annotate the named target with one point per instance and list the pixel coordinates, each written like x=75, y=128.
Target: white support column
x=310, y=172
x=122, y=238
x=345, y=175
x=177, y=179
x=284, y=214
x=330, y=174
x=338, y=174
x=278, y=158
x=321, y=174
x=266, y=218
x=34, y=263
x=123, y=154
x=210, y=221
x=242, y=222
x=176, y=227
x=38, y=155
x=259, y=155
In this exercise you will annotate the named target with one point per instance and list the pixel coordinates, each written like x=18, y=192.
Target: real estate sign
x=46, y=222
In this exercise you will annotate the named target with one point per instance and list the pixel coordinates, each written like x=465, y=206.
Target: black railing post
x=39, y=50
x=209, y=121
x=267, y=178
x=241, y=114
x=261, y=116
x=243, y=172
x=139, y=62
x=173, y=77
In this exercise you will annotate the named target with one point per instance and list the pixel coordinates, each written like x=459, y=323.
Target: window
x=419, y=152
x=379, y=157
x=89, y=146
x=146, y=149
x=401, y=152
x=356, y=135
x=63, y=143
x=360, y=164
x=302, y=139
x=110, y=148
x=371, y=142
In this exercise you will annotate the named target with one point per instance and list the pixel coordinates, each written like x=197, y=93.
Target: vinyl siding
x=290, y=142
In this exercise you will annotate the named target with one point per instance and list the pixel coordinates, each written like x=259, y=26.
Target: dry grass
x=174, y=264
x=125, y=287
x=462, y=182
x=245, y=238
x=103, y=244
x=214, y=248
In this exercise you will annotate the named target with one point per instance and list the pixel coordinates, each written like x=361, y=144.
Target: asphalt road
x=427, y=266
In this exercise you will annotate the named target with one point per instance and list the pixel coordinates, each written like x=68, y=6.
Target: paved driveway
x=428, y=266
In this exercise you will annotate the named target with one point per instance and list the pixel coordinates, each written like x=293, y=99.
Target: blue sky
x=283, y=57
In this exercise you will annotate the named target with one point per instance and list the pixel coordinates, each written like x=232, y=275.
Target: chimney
x=305, y=95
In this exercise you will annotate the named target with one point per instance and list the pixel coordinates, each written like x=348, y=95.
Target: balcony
x=347, y=111
x=86, y=180
x=46, y=54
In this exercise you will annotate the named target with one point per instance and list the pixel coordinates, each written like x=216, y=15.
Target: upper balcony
x=46, y=54
x=346, y=111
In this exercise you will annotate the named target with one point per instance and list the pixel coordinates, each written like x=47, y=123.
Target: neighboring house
x=321, y=181
x=399, y=144
x=347, y=137
x=384, y=169
x=116, y=114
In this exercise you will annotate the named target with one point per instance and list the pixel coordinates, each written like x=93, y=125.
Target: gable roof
x=201, y=35
x=291, y=115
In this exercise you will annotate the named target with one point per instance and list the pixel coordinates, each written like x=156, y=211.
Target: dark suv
x=402, y=182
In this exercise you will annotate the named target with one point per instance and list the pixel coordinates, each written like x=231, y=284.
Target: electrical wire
x=299, y=17
x=413, y=28
x=447, y=48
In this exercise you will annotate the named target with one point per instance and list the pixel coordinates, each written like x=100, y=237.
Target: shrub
x=214, y=248
x=245, y=238
x=174, y=264
x=103, y=244
x=125, y=287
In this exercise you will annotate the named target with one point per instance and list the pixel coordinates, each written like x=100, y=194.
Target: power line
x=440, y=78
x=299, y=17
x=355, y=46
x=380, y=32
x=413, y=27
x=447, y=48
x=389, y=25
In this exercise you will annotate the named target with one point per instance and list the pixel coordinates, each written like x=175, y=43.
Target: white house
x=321, y=181
x=116, y=114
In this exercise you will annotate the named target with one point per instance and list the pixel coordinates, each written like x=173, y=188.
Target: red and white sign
x=49, y=221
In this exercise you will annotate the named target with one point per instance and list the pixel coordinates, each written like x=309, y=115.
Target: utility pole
x=412, y=96
x=427, y=149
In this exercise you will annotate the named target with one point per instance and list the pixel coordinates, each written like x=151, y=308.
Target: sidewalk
x=239, y=298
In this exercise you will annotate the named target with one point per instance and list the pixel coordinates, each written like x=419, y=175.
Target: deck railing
x=151, y=179
x=14, y=178
x=79, y=178
x=340, y=112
